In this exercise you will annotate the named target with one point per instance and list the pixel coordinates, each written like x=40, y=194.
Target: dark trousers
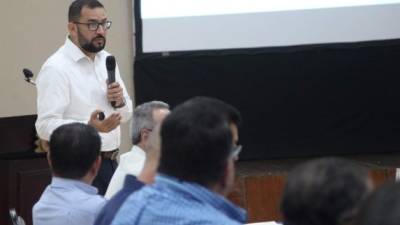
x=104, y=175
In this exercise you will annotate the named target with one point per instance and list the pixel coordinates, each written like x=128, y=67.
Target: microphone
x=110, y=65
x=28, y=76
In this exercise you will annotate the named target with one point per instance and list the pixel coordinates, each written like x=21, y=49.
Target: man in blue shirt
x=74, y=158
x=196, y=171
x=145, y=134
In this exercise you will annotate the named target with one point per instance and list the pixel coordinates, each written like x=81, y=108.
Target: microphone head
x=27, y=73
x=110, y=63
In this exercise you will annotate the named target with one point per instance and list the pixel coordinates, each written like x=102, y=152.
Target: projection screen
x=190, y=25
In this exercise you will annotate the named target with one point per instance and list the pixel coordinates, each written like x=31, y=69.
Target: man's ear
x=144, y=135
x=71, y=28
x=222, y=185
x=48, y=158
x=228, y=177
x=225, y=176
x=96, y=166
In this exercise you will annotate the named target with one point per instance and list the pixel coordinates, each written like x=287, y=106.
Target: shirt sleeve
x=53, y=97
x=127, y=109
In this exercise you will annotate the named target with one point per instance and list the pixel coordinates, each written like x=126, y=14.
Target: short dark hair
x=74, y=12
x=382, y=207
x=324, y=191
x=195, y=143
x=230, y=113
x=73, y=149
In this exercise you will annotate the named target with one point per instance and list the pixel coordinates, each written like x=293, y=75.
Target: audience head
x=145, y=130
x=382, y=207
x=196, y=144
x=74, y=151
x=231, y=114
x=325, y=191
x=145, y=118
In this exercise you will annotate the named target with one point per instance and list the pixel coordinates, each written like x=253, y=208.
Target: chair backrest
x=15, y=219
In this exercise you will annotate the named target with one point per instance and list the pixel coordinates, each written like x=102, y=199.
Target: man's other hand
x=106, y=125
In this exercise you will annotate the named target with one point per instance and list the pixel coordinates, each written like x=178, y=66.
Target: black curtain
x=295, y=101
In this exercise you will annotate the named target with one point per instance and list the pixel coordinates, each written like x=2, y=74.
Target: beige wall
x=33, y=29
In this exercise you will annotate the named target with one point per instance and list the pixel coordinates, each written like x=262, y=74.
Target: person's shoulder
x=57, y=58
x=56, y=64
x=90, y=206
x=87, y=195
x=96, y=200
x=132, y=183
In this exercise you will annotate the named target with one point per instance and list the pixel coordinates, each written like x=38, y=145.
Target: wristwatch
x=122, y=104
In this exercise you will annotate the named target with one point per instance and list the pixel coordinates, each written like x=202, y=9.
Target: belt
x=109, y=154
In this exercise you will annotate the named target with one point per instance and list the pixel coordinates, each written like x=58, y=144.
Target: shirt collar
x=75, y=52
x=138, y=150
x=71, y=183
x=131, y=180
x=202, y=194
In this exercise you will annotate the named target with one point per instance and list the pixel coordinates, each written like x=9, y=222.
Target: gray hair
x=143, y=118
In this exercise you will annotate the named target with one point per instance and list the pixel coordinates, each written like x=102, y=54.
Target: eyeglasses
x=236, y=149
x=94, y=26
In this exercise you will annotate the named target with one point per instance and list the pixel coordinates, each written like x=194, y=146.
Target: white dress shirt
x=130, y=163
x=70, y=87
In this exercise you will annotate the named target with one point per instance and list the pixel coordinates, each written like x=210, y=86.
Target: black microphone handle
x=110, y=66
x=111, y=79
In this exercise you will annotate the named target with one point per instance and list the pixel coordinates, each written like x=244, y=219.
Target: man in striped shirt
x=196, y=172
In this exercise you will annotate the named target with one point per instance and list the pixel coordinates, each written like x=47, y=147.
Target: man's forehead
x=96, y=14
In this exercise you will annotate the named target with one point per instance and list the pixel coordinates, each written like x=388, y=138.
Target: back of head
x=73, y=149
x=74, y=12
x=195, y=143
x=143, y=118
x=382, y=207
x=228, y=111
x=324, y=191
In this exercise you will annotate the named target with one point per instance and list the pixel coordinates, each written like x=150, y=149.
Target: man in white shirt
x=145, y=118
x=72, y=85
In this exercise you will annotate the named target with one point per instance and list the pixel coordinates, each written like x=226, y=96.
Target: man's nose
x=101, y=29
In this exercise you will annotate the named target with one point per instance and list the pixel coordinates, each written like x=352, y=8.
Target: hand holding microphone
x=114, y=91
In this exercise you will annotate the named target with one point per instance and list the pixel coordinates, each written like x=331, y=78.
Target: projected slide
x=187, y=25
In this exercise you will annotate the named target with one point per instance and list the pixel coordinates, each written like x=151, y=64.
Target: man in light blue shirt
x=74, y=158
x=196, y=172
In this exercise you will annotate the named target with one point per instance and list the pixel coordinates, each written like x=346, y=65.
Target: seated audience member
x=382, y=207
x=196, y=172
x=74, y=159
x=325, y=191
x=132, y=184
x=145, y=117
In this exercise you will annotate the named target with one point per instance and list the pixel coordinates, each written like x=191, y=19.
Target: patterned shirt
x=108, y=212
x=170, y=201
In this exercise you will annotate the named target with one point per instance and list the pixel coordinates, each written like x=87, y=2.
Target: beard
x=93, y=46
